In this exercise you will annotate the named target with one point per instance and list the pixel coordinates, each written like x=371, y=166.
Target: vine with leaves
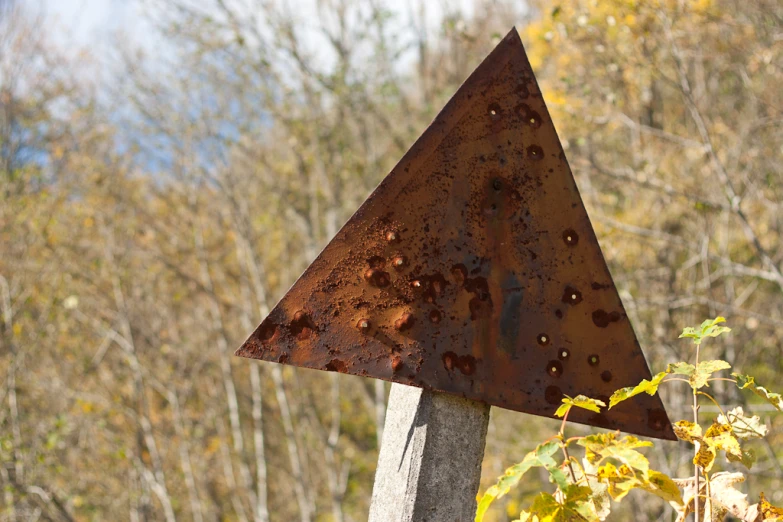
x=613, y=465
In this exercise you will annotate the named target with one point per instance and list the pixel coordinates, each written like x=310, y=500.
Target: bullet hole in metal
x=494, y=110
x=543, y=339
x=535, y=152
x=593, y=360
x=435, y=316
x=396, y=363
x=563, y=354
x=570, y=237
x=572, y=296
x=554, y=368
x=497, y=184
x=392, y=236
x=363, y=324
x=399, y=262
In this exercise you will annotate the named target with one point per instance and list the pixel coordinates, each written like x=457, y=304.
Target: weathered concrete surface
x=430, y=460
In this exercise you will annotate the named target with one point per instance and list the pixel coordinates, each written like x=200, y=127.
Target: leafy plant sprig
x=613, y=466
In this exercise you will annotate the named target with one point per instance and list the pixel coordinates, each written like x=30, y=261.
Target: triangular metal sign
x=473, y=269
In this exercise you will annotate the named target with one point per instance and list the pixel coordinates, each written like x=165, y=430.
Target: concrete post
x=430, y=460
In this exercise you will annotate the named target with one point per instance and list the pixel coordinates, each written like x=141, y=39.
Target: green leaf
x=742, y=426
x=558, y=476
x=540, y=457
x=697, y=375
x=747, y=459
x=601, y=446
x=681, y=368
x=580, y=401
x=746, y=381
x=648, y=387
x=704, y=370
x=709, y=328
x=576, y=506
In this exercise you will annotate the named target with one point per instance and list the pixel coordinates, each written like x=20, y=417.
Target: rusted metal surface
x=473, y=269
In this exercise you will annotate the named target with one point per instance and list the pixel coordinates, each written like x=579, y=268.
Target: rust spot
x=465, y=363
x=570, y=237
x=376, y=262
x=479, y=309
x=599, y=286
x=449, y=360
x=559, y=313
x=302, y=327
x=435, y=316
x=572, y=296
x=593, y=360
x=497, y=184
x=336, y=365
x=657, y=419
x=459, y=273
x=266, y=332
x=602, y=319
x=553, y=395
x=535, y=152
x=377, y=278
x=606, y=376
x=405, y=322
x=396, y=363
x=554, y=368
x=283, y=358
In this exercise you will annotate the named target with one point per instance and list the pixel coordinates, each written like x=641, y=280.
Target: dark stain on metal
x=484, y=214
x=602, y=319
x=553, y=395
x=405, y=322
x=606, y=376
x=396, y=363
x=464, y=363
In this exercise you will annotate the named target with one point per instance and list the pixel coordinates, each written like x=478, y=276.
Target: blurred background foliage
x=156, y=204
